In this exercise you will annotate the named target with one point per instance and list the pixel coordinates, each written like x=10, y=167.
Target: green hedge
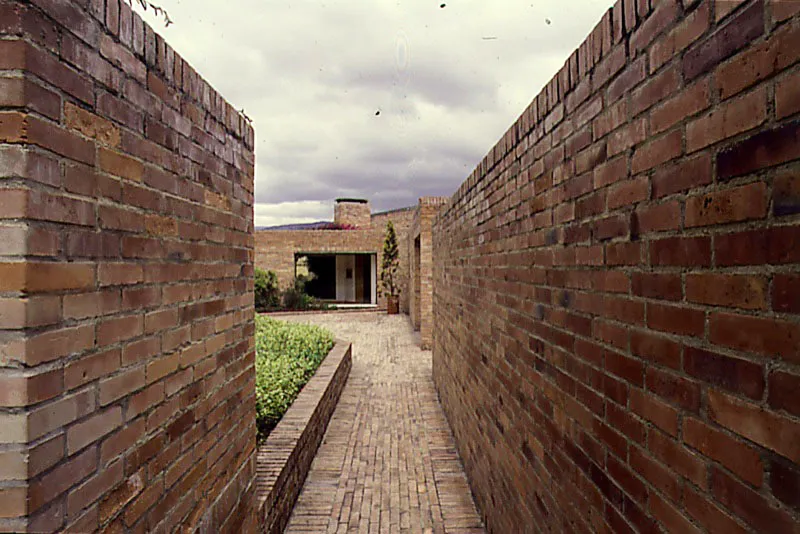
x=287, y=355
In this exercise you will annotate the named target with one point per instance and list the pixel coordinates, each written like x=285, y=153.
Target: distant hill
x=320, y=225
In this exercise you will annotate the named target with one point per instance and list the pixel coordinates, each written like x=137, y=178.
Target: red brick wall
x=616, y=288
x=126, y=313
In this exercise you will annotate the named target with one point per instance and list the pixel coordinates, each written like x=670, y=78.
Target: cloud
x=384, y=100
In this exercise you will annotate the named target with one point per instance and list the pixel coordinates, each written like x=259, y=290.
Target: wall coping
x=284, y=459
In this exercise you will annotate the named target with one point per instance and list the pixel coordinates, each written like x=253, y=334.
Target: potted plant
x=389, y=266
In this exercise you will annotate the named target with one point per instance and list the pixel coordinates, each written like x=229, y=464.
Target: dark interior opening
x=323, y=286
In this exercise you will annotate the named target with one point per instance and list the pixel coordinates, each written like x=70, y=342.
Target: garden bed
x=284, y=457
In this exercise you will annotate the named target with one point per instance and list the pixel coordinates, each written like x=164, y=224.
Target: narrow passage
x=388, y=462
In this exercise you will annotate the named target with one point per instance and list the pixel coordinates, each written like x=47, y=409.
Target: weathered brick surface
x=616, y=332
x=126, y=316
x=275, y=249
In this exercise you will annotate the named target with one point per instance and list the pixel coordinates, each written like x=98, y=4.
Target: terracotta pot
x=392, y=305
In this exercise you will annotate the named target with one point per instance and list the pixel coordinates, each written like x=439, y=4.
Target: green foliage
x=287, y=355
x=296, y=298
x=267, y=294
x=390, y=263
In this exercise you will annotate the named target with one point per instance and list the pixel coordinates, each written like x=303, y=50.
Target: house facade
x=345, y=256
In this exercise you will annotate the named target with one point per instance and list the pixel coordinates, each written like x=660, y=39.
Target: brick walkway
x=388, y=462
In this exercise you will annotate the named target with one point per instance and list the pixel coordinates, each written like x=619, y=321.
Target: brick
x=95, y=487
x=121, y=385
x=91, y=125
x=60, y=479
x=687, y=103
x=634, y=74
x=24, y=93
x=83, y=305
x=627, y=136
x=86, y=432
x=735, y=291
x=654, y=410
x=57, y=343
x=730, y=452
x=658, y=151
x=786, y=194
x=685, y=251
x=785, y=482
x=611, y=119
x=741, y=30
x=63, y=142
x=707, y=514
x=777, y=245
x=652, y=26
x=119, y=329
x=656, y=474
x=659, y=217
x=628, y=192
x=684, y=175
x=19, y=313
x=675, y=389
x=121, y=165
x=783, y=392
x=655, y=90
x=782, y=10
x=748, y=504
x=773, y=431
x=733, y=374
x=115, y=501
x=675, y=319
x=677, y=457
x=670, y=516
x=787, y=96
x=759, y=62
x=610, y=172
x=731, y=205
x=684, y=34
x=656, y=349
x=88, y=368
x=765, y=336
x=727, y=120
x=114, y=274
x=158, y=369
x=13, y=127
x=29, y=388
x=763, y=150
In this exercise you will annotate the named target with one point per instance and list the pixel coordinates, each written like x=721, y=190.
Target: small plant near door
x=389, y=266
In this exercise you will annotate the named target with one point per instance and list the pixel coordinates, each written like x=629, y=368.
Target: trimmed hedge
x=287, y=356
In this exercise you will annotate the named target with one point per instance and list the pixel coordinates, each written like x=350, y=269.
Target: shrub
x=390, y=263
x=267, y=295
x=287, y=355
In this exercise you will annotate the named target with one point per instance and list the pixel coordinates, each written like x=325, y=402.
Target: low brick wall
x=284, y=460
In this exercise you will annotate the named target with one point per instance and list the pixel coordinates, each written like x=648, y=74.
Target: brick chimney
x=353, y=211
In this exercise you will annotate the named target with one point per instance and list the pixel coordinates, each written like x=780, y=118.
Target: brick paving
x=388, y=462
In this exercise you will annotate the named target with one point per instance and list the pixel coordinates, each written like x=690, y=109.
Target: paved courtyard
x=388, y=462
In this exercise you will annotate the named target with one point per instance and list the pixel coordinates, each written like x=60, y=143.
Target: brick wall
x=420, y=261
x=126, y=312
x=352, y=212
x=275, y=249
x=616, y=288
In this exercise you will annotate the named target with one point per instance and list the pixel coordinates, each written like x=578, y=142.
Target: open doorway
x=339, y=278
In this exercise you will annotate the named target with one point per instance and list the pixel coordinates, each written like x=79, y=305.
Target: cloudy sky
x=379, y=99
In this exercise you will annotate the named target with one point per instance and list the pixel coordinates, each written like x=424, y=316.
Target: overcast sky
x=379, y=99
